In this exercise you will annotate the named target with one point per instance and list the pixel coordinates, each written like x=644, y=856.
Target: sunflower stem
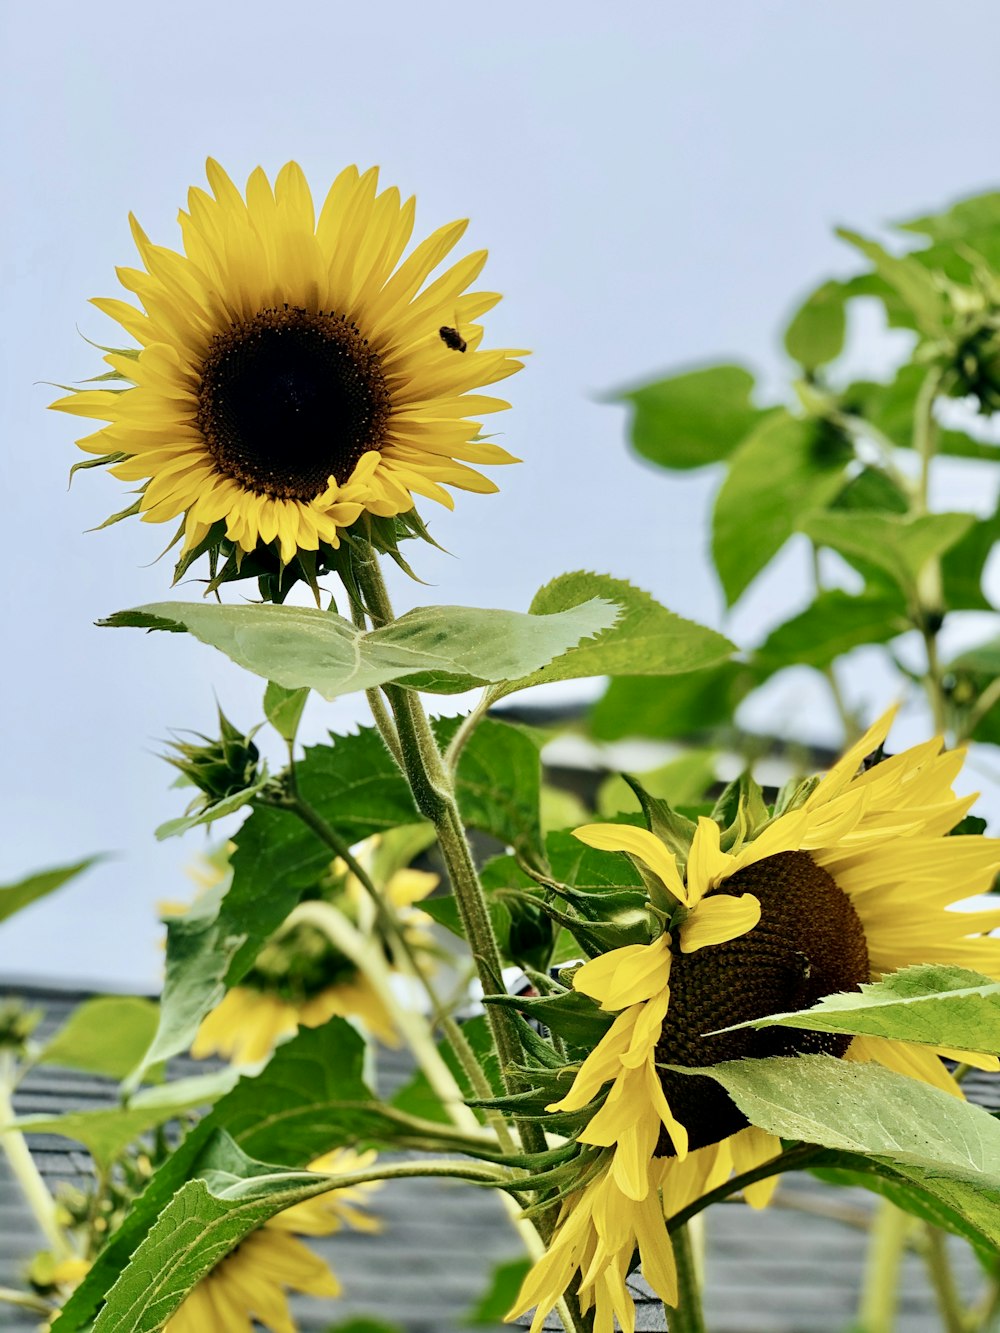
x=26, y=1173
x=686, y=1316
x=409, y=961
x=929, y=593
x=880, y=1289
x=434, y=795
x=848, y=721
x=935, y=1253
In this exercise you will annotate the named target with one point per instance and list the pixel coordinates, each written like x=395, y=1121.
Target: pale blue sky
x=656, y=183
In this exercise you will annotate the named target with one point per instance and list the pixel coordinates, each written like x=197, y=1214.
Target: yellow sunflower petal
x=717, y=919
x=637, y=842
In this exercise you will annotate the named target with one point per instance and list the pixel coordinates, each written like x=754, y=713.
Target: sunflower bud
x=16, y=1025
x=219, y=768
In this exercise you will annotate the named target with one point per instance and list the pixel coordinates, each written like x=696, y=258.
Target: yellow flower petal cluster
x=294, y=370
x=250, y=1021
x=248, y=1287
x=873, y=840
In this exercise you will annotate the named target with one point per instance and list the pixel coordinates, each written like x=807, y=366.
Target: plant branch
x=935, y=1254
x=686, y=1316
x=792, y=1159
x=27, y=1175
x=880, y=1290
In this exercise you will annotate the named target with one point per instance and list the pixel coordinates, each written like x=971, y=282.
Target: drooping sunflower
x=294, y=371
x=249, y=1285
x=852, y=881
x=301, y=980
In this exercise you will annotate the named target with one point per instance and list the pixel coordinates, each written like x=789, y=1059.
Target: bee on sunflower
x=290, y=378
x=850, y=879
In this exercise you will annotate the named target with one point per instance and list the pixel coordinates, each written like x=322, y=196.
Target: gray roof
x=783, y=1270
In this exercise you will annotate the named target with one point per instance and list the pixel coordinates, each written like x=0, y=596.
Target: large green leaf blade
x=787, y=468
x=934, y=1005
x=698, y=417
x=106, y=1035
x=107, y=1132
x=14, y=897
x=201, y=1224
x=815, y=333
x=647, y=640
x=835, y=623
x=498, y=782
x=305, y=1078
x=866, y=1108
x=356, y=787
x=901, y=545
x=443, y=648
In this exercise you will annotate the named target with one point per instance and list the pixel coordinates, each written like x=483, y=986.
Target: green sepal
x=673, y=829
x=794, y=794
x=105, y=460
x=740, y=812
x=573, y=1016
x=628, y=924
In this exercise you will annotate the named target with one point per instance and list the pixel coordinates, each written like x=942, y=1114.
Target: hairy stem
x=407, y=959
x=686, y=1316
x=880, y=1289
x=929, y=596
x=27, y=1175
x=942, y=1278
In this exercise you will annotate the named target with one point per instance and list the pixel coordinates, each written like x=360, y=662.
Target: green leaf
x=498, y=782
x=975, y=1220
x=816, y=332
x=201, y=1224
x=682, y=781
x=910, y=280
x=355, y=786
x=695, y=418
x=200, y=948
x=505, y=1284
x=647, y=640
x=693, y=704
x=418, y=1098
x=298, y=1089
x=962, y=567
x=107, y=1133
x=107, y=1035
x=866, y=1108
x=931, y=1004
x=871, y=489
x=800, y=460
x=13, y=897
x=835, y=623
x=901, y=546
x=283, y=709
x=208, y=814
x=960, y=223
x=442, y=648
x=889, y=408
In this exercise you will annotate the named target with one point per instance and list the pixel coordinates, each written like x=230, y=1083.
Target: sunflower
x=294, y=372
x=250, y=1282
x=301, y=980
x=852, y=882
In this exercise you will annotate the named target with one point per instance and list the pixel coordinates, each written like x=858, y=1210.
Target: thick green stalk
x=433, y=792
x=27, y=1175
x=930, y=604
x=880, y=1290
x=686, y=1316
x=407, y=958
x=943, y=1280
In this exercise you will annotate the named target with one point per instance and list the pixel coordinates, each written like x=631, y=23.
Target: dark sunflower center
x=289, y=399
x=808, y=943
